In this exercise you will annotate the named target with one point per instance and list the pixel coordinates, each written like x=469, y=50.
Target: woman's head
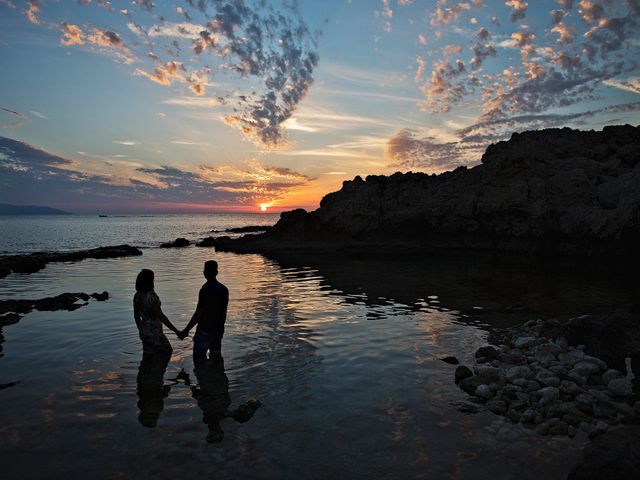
x=144, y=281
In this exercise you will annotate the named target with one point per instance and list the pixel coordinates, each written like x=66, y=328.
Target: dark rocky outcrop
x=37, y=261
x=248, y=229
x=615, y=454
x=177, y=243
x=11, y=311
x=555, y=191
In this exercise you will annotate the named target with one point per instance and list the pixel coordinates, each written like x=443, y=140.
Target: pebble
x=586, y=368
x=610, y=374
x=488, y=352
x=499, y=407
x=620, y=387
x=484, y=391
x=548, y=385
x=548, y=395
x=522, y=342
x=462, y=372
x=518, y=372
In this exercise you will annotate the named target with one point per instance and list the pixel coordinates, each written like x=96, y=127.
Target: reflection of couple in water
x=212, y=394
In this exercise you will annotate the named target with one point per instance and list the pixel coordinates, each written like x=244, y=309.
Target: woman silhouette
x=149, y=317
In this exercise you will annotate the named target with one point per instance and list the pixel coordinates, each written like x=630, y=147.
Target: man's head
x=210, y=269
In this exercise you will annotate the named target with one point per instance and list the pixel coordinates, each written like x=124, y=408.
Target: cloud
x=411, y=149
x=104, y=40
x=519, y=9
x=11, y=118
x=125, y=142
x=563, y=64
x=630, y=85
x=12, y=112
x=433, y=151
x=38, y=114
x=28, y=174
x=33, y=9
x=263, y=54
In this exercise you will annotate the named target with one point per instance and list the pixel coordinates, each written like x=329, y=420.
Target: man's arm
x=195, y=318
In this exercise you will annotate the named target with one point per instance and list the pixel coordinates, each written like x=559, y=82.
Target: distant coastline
x=8, y=209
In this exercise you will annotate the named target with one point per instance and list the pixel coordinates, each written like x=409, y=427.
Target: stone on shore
x=177, y=243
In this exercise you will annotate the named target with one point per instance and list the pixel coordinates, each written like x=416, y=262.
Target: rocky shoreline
x=555, y=192
x=537, y=381
x=37, y=261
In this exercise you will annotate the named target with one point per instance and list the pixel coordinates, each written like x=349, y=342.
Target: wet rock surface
x=11, y=311
x=177, y=243
x=549, y=386
x=552, y=192
x=37, y=261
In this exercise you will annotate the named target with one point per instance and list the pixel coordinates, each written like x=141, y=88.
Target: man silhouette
x=210, y=315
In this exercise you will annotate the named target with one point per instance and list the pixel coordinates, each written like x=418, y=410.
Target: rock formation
x=177, y=243
x=555, y=191
x=11, y=311
x=37, y=261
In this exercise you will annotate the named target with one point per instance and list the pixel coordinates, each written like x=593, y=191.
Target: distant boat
x=103, y=216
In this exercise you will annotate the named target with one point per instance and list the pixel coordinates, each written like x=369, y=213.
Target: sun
x=263, y=208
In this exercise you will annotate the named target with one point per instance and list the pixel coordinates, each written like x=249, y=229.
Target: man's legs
x=203, y=342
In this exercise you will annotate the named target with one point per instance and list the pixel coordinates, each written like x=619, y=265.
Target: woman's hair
x=144, y=281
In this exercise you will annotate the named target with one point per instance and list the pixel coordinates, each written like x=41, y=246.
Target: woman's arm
x=136, y=315
x=163, y=318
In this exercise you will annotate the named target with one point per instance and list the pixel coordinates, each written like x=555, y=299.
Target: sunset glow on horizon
x=241, y=106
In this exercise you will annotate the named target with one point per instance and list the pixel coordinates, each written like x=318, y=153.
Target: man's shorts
x=203, y=341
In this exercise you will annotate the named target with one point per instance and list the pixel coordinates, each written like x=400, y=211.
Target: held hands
x=182, y=334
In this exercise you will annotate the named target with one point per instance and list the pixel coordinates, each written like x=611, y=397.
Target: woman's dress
x=151, y=326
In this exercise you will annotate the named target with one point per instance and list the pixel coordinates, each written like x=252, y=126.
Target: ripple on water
x=348, y=372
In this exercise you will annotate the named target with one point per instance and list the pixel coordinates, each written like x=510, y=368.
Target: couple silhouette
x=212, y=391
x=210, y=315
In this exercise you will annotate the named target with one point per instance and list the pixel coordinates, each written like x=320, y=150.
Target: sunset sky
x=226, y=105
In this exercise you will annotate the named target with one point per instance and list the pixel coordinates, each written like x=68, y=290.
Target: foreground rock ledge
x=37, y=261
x=11, y=311
x=536, y=378
x=555, y=191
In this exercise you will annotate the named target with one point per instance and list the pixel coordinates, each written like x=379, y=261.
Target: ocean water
x=343, y=352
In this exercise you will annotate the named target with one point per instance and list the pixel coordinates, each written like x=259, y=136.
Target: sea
x=344, y=352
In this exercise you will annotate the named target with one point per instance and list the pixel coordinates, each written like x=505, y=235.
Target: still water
x=342, y=353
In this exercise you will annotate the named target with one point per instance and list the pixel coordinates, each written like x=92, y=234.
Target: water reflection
x=212, y=394
x=344, y=353
x=151, y=388
x=473, y=285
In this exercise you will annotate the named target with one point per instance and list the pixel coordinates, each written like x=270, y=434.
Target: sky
x=238, y=105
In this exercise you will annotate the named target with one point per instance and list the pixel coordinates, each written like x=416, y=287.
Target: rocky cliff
x=555, y=191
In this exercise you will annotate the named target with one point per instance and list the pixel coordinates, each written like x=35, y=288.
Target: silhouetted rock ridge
x=557, y=191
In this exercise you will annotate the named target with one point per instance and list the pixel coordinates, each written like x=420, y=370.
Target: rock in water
x=177, y=243
x=450, y=360
x=37, y=261
x=245, y=412
x=462, y=372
